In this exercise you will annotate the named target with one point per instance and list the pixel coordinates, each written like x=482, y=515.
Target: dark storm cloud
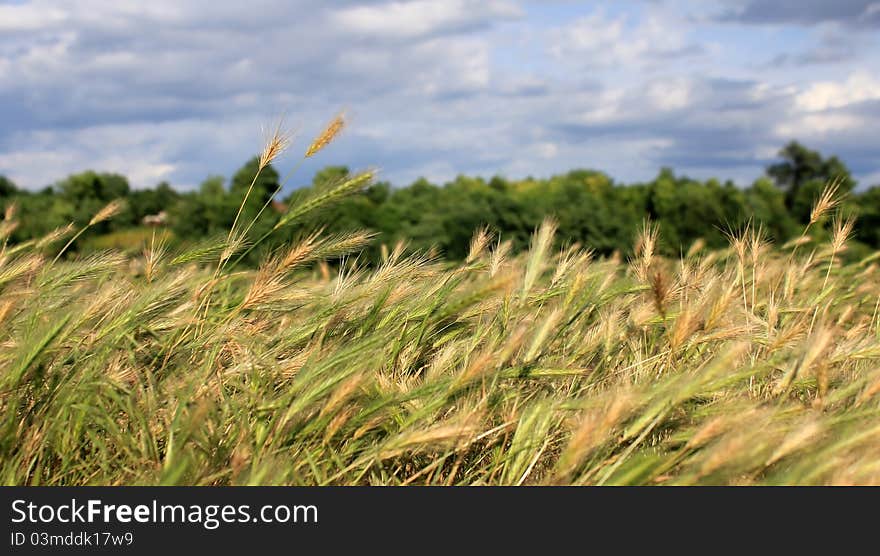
x=862, y=13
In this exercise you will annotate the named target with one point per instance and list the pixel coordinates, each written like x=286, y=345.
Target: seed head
x=843, y=229
x=827, y=201
x=330, y=132
x=112, y=208
x=276, y=143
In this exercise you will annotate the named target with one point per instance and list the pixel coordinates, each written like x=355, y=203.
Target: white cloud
x=420, y=18
x=178, y=90
x=824, y=95
x=29, y=17
x=604, y=107
x=813, y=125
x=670, y=94
x=547, y=149
x=146, y=152
x=602, y=41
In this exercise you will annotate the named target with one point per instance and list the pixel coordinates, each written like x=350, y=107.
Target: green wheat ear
x=323, y=198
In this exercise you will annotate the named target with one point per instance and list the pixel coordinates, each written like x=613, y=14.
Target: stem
x=269, y=200
x=251, y=248
x=243, y=202
x=69, y=243
x=266, y=204
x=824, y=284
x=742, y=279
x=754, y=282
x=221, y=262
x=828, y=272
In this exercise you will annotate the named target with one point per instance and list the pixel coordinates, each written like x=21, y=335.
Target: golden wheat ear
x=330, y=132
x=842, y=232
x=478, y=244
x=8, y=224
x=644, y=249
x=10, y=211
x=826, y=201
x=110, y=210
x=277, y=142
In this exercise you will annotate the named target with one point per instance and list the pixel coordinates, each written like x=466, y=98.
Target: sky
x=174, y=90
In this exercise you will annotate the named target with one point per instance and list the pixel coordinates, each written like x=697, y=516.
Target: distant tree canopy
x=589, y=206
x=803, y=173
x=7, y=188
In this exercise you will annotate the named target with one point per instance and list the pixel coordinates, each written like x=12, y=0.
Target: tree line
x=589, y=207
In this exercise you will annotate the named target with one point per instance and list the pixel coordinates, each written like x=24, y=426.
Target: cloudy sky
x=177, y=90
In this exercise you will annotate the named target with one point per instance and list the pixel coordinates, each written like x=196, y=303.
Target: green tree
x=867, y=206
x=203, y=212
x=802, y=168
x=151, y=201
x=264, y=186
x=765, y=203
x=7, y=187
x=82, y=195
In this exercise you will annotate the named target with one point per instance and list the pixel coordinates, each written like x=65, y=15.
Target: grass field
x=754, y=365
x=129, y=242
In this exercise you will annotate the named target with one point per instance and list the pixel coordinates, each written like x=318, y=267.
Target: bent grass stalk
x=544, y=367
x=345, y=187
x=109, y=211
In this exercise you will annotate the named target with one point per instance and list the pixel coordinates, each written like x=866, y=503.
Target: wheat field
x=752, y=365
